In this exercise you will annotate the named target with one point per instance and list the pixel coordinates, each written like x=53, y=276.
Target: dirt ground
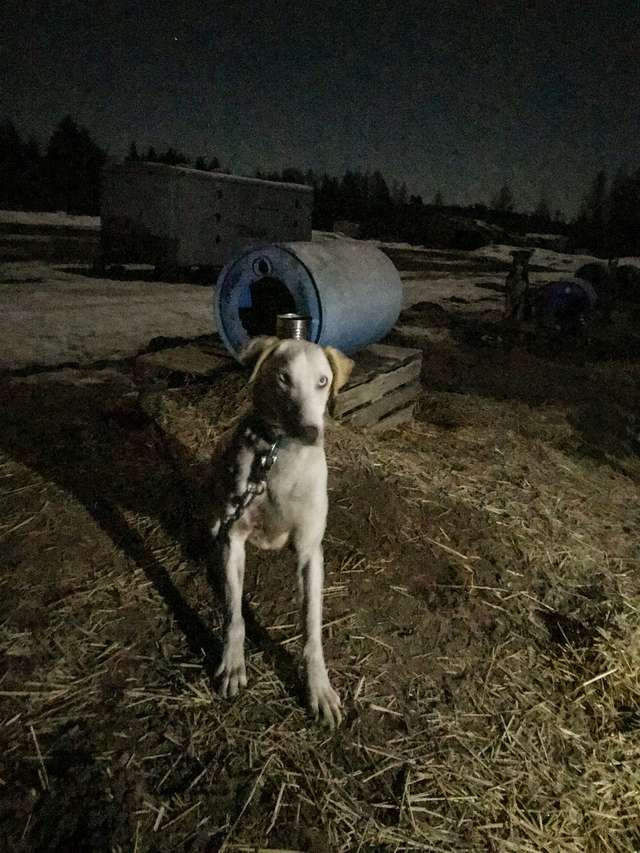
x=481, y=621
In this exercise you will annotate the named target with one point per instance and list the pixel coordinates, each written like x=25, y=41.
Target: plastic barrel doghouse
x=351, y=292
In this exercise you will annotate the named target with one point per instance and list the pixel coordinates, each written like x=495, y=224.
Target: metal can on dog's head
x=296, y=326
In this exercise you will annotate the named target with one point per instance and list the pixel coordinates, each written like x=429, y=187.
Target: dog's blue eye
x=322, y=381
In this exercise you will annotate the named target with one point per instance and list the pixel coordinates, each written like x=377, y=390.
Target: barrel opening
x=262, y=301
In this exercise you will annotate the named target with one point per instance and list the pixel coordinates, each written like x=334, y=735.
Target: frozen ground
x=540, y=257
x=54, y=314
x=49, y=220
x=51, y=316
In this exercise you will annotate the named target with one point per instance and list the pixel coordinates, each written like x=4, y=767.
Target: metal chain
x=256, y=485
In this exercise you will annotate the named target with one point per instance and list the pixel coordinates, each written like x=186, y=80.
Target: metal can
x=296, y=326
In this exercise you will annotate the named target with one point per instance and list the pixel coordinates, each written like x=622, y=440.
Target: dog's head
x=292, y=383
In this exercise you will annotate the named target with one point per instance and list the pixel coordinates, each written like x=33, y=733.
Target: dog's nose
x=309, y=434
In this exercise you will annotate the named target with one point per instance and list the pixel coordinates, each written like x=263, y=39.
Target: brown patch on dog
x=341, y=367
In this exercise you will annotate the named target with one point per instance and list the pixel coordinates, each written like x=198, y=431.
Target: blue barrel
x=565, y=302
x=351, y=291
x=569, y=294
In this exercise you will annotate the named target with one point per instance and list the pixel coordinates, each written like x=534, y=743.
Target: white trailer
x=174, y=217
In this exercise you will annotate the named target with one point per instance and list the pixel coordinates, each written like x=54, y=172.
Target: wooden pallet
x=383, y=388
x=380, y=394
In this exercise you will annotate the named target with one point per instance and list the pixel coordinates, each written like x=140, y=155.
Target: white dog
x=269, y=485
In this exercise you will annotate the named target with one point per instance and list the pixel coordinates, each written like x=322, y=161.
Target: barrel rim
x=228, y=269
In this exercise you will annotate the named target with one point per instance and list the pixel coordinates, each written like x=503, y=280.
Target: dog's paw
x=325, y=703
x=232, y=672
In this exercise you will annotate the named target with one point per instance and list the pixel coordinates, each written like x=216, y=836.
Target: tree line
x=65, y=175
x=387, y=210
x=608, y=222
x=171, y=157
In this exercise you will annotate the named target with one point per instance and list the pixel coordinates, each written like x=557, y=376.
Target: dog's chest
x=299, y=475
x=295, y=498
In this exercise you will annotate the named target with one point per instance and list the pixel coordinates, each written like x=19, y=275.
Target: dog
x=271, y=501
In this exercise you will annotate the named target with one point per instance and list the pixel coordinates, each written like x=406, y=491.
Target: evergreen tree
x=31, y=194
x=13, y=165
x=380, y=206
x=327, y=202
x=399, y=194
x=623, y=224
x=353, y=196
x=543, y=210
x=72, y=166
x=171, y=157
x=503, y=200
x=592, y=221
x=293, y=176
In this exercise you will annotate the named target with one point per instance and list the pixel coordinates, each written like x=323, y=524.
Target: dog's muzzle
x=306, y=434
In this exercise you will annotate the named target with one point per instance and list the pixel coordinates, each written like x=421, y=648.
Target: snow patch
x=47, y=219
x=540, y=258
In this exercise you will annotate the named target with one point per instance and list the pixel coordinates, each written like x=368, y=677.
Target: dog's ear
x=257, y=351
x=341, y=367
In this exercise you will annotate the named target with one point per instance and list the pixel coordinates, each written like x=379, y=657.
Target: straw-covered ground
x=482, y=623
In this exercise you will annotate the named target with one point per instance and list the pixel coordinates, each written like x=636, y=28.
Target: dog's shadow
x=114, y=459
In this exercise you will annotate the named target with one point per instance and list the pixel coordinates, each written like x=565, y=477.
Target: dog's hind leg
x=232, y=670
x=323, y=699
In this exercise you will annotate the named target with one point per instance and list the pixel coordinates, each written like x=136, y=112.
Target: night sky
x=455, y=95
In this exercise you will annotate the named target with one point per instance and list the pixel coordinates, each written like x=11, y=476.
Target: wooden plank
x=382, y=355
x=369, y=362
x=367, y=366
x=351, y=398
x=399, y=354
x=401, y=416
x=371, y=414
x=377, y=359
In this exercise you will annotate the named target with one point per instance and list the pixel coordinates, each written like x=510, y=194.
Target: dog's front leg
x=232, y=670
x=323, y=699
